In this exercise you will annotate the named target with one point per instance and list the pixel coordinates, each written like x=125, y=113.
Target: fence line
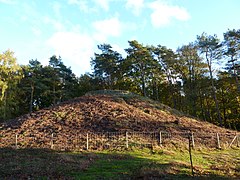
x=118, y=140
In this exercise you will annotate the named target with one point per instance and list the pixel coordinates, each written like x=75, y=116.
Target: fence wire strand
x=116, y=140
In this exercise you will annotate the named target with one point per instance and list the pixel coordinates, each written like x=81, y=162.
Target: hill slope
x=112, y=111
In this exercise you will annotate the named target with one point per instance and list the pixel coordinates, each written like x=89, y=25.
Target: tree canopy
x=200, y=78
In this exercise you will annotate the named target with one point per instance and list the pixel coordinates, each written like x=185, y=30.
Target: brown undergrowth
x=105, y=112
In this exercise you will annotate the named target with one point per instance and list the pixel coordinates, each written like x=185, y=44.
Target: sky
x=72, y=29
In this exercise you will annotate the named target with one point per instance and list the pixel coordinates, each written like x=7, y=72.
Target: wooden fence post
x=235, y=137
x=102, y=141
x=190, y=140
x=218, y=142
x=52, y=141
x=126, y=139
x=160, y=138
x=237, y=140
x=87, y=141
x=16, y=141
x=193, y=142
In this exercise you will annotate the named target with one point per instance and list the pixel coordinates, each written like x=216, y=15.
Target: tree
x=139, y=64
x=62, y=80
x=191, y=69
x=232, y=52
x=210, y=47
x=54, y=72
x=167, y=61
x=106, y=65
x=32, y=85
x=68, y=82
x=229, y=104
x=31, y=81
x=43, y=86
x=156, y=75
x=10, y=73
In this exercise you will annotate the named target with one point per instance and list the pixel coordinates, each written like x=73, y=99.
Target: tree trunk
x=208, y=113
x=31, y=98
x=157, y=92
x=216, y=101
x=143, y=85
x=201, y=105
x=214, y=91
x=5, y=106
x=54, y=94
x=194, y=99
x=236, y=76
x=224, y=109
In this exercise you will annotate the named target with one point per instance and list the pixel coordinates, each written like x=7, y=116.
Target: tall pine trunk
x=214, y=91
x=5, y=106
x=31, y=98
x=235, y=74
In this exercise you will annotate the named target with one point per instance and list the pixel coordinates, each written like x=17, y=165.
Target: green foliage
x=106, y=66
x=211, y=48
x=167, y=78
x=10, y=75
x=139, y=65
x=192, y=69
x=43, y=86
x=232, y=52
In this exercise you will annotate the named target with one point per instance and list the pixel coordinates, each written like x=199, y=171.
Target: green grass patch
x=131, y=164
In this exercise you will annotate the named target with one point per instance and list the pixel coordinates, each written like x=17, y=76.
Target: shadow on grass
x=40, y=163
x=48, y=164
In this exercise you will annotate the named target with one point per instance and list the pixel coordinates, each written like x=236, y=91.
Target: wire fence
x=118, y=140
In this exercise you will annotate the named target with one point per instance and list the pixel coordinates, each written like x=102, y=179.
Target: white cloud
x=163, y=13
x=119, y=49
x=36, y=31
x=83, y=6
x=135, y=5
x=108, y=27
x=57, y=25
x=88, y=6
x=56, y=9
x=130, y=26
x=11, y=2
x=75, y=48
x=103, y=4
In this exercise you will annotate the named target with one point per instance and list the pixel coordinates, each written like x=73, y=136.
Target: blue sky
x=38, y=29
